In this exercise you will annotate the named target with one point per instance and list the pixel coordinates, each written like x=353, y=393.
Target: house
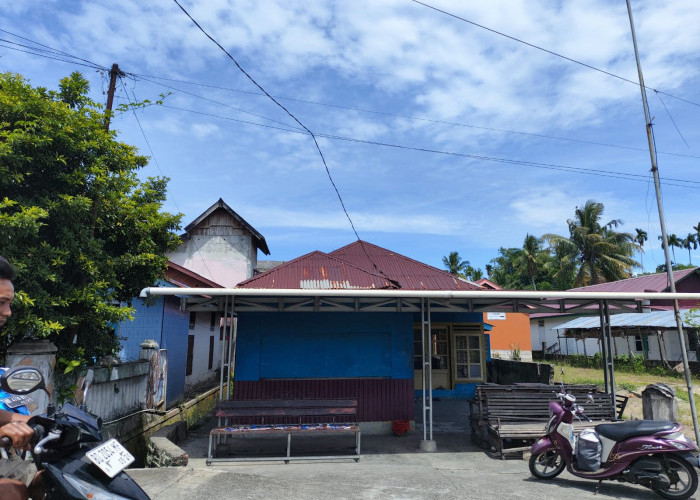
x=319, y=348
x=218, y=243
x=191, y=340
x=220, y=246
x=546, y=339
x=510, y=332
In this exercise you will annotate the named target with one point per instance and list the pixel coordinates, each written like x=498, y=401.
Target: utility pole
x=664, y=238
x=113, y=74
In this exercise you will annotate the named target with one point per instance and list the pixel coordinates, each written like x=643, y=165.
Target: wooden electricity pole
x=113, y=74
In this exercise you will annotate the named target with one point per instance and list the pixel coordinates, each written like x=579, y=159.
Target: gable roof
x=221, y=204
x=184, y=278
x=409, y=274
x=317, y=270
x=648, y=283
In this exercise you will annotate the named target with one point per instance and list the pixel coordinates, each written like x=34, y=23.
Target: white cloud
x=204, y=130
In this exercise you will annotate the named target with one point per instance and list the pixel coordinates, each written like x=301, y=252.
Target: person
x=12, y=425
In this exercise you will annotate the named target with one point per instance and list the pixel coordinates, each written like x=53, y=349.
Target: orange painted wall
x=515, y=329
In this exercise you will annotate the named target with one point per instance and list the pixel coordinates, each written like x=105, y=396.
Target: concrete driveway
x=390, y=468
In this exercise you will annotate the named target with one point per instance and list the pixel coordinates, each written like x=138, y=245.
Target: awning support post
x=428, y=444
x=610, y=366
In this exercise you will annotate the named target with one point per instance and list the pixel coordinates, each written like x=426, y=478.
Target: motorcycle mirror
x=22, y=380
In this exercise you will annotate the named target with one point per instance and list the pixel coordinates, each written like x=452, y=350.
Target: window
x=440, y=342
x=212, y=323
x=190, y=354
x=540, y=322
x=638, y=344
x=468, y=355
x=211, y=351
x=193, y=319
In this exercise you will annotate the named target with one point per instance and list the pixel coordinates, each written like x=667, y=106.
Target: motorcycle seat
x=626, y=430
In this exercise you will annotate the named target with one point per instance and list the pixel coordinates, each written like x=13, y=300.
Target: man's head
x=7, y=290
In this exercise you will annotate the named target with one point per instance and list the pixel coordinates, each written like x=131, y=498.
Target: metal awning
x=529, y=302
x=425, y=302
x=655, y=320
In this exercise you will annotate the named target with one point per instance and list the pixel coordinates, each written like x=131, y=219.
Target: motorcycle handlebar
x=39, y=431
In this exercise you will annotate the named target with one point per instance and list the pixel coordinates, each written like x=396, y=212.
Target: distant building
x=510, y=332
x=548, y=340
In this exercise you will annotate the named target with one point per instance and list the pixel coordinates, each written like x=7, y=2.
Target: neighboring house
x=547, y=339
x=370, y=354
x=219, y=249
x=221, y=246
x=510, y=332
x=188, y=337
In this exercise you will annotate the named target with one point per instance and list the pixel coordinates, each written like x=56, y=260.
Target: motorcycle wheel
x=547, y=465
x=684, y=479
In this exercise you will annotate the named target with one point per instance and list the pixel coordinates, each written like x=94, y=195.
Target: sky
x=445, y=126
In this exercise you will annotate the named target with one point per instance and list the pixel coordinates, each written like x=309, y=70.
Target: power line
x=73, y=60
x=217, y=102
x=565, y=168
x=406, y=117
x=551, y=52
x=143, y=133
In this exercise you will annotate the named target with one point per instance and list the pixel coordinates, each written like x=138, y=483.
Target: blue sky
x=408, y=105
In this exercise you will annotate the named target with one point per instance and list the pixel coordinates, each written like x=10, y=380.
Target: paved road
x=390, y=468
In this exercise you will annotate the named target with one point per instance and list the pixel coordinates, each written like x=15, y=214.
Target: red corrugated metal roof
x=648, y=283
x=408, y=273
x=353, y=267
x=317, y=270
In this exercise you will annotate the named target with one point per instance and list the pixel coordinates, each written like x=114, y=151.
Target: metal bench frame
x=276, y=417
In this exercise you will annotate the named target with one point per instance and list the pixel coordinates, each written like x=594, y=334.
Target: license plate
x=111, y=457
x=17, y=400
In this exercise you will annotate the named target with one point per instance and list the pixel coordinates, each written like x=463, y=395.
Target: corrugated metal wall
x=175, y=328
x=378, y=399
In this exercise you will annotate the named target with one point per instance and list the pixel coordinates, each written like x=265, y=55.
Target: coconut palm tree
x=690, y=241
x=530, y=258
x=639, y=239
x=600, y=253
x=454, y=264
x=673, y=242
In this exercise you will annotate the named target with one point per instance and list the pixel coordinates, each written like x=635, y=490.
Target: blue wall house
x=163, y=320
x=317, y=349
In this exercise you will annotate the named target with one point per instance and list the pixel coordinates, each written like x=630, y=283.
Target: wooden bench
x=275, y=417
x=518, y=415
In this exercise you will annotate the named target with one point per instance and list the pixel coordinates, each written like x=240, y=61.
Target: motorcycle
x=69, y=464
x=651, y=453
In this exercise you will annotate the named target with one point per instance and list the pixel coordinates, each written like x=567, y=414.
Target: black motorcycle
x=69, y=465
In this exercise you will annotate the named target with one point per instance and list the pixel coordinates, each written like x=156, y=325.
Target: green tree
x=690, y=242
x=531, y=259
x=673, y=242
x=462, y=268
x=84, y=233
x=454, y=263
x=599, y=252
x=639, y=239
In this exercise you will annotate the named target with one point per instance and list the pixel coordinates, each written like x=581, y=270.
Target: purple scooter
x=652, y=453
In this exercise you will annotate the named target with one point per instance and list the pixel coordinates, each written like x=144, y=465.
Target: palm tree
x=530, y=258
x=454, y=264
x=691, y=241
x=673, y=242
x=601, y=253
x=639, y=240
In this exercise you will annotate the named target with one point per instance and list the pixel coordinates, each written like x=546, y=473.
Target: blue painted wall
x=146, y=324
x=166, y=324
x=174, y=339
x=324, y=345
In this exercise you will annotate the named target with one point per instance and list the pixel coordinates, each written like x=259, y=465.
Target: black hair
x=7, y=272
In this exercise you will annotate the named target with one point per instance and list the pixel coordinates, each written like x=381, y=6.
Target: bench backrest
x=531, y=403
x=288, y=411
